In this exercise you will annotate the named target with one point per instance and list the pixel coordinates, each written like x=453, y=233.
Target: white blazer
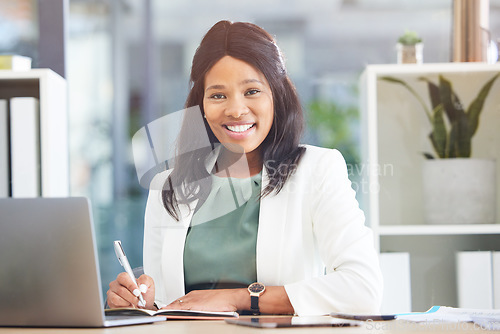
x=311, y=239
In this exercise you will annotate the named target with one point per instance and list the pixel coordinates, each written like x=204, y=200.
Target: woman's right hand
x=124, y=293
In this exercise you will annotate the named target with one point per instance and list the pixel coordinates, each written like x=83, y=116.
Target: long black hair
x=280, y=150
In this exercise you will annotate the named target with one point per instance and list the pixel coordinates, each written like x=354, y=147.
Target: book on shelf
x=496, y=278
x=25, y=147
x=15, y=62
x=4, y=150
x=475, y=279
x=395, y=269
x=174, y=314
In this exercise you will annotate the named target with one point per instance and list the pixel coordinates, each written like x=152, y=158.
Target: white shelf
x=394, y=133
x=51, y=90
x=430, y=68
x=438, y=229
x=35, y=73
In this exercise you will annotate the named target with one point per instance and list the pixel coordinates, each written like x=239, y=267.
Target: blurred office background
x=127, y=63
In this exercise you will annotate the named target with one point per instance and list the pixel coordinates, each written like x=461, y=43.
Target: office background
x=127, y=63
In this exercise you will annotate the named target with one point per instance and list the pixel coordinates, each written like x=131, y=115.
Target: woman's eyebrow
x=244, y=82
x=247, y=81
x=215, y=87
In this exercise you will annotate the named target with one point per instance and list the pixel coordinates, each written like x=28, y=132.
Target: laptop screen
x=49, y=266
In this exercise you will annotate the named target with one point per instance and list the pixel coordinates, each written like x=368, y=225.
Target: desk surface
x=220, y=327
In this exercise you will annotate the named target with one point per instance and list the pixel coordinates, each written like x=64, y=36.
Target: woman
x=253, y=205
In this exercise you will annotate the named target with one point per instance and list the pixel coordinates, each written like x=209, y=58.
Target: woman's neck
x=239, y=165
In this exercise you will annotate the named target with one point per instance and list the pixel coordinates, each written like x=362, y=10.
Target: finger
x=147, y=288
x=124, y=287
x=121, y=296
x=116, y=301
x=125, y=280
x=145, y=283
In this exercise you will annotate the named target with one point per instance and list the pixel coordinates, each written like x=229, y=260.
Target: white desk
x=220, y=327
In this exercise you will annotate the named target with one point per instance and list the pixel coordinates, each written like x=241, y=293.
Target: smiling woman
x=252, y=204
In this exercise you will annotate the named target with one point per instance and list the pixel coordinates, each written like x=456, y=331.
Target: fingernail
x=143, y=288
x=136, y=292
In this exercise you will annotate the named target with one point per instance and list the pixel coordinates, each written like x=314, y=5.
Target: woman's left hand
x=222, y=300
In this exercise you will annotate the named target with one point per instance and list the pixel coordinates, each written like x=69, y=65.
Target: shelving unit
x=394, y=135
x=438, y=229
x=50, y=89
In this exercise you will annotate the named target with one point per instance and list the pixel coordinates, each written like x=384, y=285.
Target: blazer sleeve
x=153, y=235
x=353, y=280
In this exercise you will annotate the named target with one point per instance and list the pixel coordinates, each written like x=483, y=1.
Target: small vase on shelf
x=410, y=48
x=410, y=54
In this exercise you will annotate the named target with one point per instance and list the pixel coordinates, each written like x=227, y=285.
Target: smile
x=239, y=128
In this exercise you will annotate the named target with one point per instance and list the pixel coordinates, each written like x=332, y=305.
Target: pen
x=120, y=254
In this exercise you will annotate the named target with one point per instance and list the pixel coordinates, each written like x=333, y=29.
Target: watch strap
x=254, y=304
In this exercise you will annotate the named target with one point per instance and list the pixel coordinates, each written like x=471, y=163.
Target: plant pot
x=410, y=54
x=459, y=191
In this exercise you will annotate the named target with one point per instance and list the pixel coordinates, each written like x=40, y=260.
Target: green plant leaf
x=433, y=92
x=409, y=38
x=428, y=156
x=476, y=106
x=451, y=143
x=438, y=135
x=332, y=123
x=464, y=139
x=450, y=100
x=459, y=141
x=463, y=124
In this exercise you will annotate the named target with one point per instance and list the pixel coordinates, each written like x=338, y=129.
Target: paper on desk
x=451, y=314
x=490, y=323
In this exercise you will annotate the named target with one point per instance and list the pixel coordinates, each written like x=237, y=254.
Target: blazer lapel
x=272, y=220
x=173, y=254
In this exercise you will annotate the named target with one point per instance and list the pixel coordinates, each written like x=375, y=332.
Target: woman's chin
x=234, y=148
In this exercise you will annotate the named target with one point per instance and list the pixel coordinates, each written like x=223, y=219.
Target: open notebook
x=175, y=314
x=49, y=266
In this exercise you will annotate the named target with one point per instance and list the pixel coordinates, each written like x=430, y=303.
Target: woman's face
x=238, y=104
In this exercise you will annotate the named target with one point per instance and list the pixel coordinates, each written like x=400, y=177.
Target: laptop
x=49, y=269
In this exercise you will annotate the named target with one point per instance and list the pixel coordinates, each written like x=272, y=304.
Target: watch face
x=256, y=287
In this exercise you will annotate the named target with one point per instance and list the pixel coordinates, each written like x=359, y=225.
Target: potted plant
x=410, y=48
x=457, y=189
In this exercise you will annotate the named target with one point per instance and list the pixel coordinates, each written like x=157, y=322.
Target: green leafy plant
x=409, y=38
x=452, y=126
x=333, y=124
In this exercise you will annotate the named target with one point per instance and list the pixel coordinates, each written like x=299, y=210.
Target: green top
x=221, y=242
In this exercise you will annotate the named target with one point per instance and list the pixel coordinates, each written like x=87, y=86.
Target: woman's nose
x=236, y=108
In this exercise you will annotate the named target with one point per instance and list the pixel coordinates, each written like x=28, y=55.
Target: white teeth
x=239, y=128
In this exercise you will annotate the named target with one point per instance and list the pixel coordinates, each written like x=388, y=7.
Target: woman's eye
x=217, y=96
x=252, y=92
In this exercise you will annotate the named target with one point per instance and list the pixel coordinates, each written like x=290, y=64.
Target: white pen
x=120, y=254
